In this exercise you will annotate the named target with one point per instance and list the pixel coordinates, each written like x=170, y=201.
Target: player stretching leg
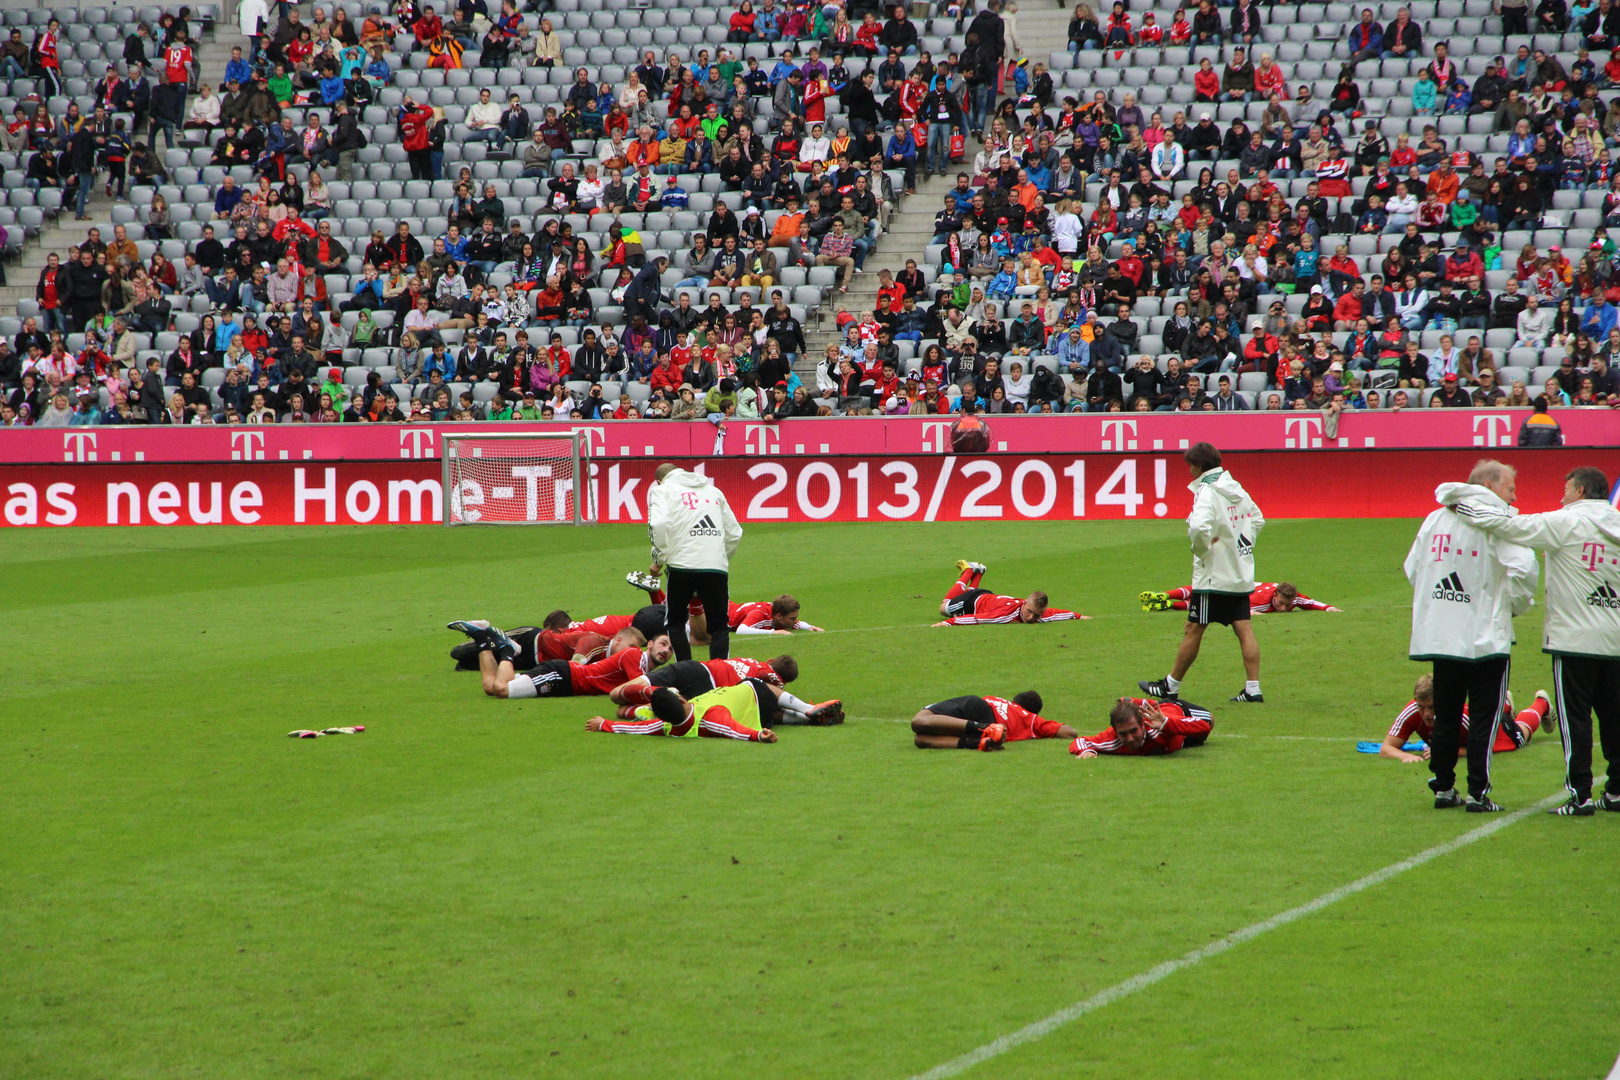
x=626, y=660
x=779, y=616
x=1512, y=731
x=1278, y=597
x=718, y=714
x=966, y=604
x=694, y=678
x=561, y=638
x=1140, y=726
x=985, y=723
x=537, y=643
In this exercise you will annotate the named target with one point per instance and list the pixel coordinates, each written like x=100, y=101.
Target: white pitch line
x=1042, y=1028
x=1213, y=735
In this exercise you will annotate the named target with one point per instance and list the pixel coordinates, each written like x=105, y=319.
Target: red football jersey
x=755, y=616
x=566, y=644
x=606, y=625
x=734, y=671
x=992, y=608
x=1180, y=722
x=1411, y=722
x=1260, y=600
x=603, y=676
x=1021, y=723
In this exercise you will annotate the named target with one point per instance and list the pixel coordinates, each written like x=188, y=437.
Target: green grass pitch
x=479, y=888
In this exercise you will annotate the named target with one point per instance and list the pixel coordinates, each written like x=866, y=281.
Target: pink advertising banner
x=1074, y=433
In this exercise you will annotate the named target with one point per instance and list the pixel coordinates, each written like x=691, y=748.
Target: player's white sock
x=793, y=704
x=1252, y=687
x=1172, y=682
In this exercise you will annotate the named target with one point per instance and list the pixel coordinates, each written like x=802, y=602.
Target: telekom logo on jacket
x=689, y=500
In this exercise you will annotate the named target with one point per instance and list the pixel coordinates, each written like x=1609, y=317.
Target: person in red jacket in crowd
x=1144, y=727
x=415, y=133
x=666, y=376
x=427, y=28
x=1206, y=83
x=1260, y=352
x=1348, y=310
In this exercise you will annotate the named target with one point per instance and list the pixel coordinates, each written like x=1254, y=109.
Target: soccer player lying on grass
x=1271, y=597
x=968, y=605
x=694, y=678
x=536, y=644
x=1144, y=726
x=985, y=723
x=779, y=616
x=625, y=660
x=725, y=713
x=560, y=638
x=1512, y=732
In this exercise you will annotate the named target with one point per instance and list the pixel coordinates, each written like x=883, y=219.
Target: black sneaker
x=1609, y=802
x=1158, y=688
x=1445, y=800
x=1246, y=696
x=1572, y=808
x=1482, y=804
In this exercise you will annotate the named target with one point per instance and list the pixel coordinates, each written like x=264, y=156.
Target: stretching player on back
x=779, y=616
x=537, y=643
x=1139, y=726
x=985, y=723
x=1512, y=732
x=732, y=712
x=968, y=605
x=1278, y=597
x=625, y=660
x=1221, y=529
x=694, y=678
x=561, y=638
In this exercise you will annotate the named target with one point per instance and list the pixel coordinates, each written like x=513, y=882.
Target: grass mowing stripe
x=1042, y=1028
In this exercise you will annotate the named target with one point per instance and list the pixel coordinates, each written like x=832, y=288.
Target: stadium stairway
x=62, y=231
x=1041, y=30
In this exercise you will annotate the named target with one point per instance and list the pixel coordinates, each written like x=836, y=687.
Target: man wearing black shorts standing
x=1222, y=529
x=694, y=534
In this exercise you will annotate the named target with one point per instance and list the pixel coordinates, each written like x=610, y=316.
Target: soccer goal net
x=533, y=478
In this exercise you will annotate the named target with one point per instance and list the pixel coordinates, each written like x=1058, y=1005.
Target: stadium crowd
x=649, y=244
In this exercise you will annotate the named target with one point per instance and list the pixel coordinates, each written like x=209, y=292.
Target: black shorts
x=689, y=678
x=972, y=709
x=651, y=621
x=963, y=605
x=551, y=679
x=1225, y=608
x=765, y=698
x=1195, y=712
x=527, y=639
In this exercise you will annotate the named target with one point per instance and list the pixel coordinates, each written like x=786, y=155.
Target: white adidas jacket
x=691, y=524
x=1466, y=584
x=1582, y=542
x=1222, y=528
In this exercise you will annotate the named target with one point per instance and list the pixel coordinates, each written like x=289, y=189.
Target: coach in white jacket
x=1467, y=586
x=694, y=535
x=1222, y=529
x=1582, y=633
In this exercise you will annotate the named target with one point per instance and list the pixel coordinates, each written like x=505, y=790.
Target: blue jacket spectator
x=226, y=199
x=1599, y=319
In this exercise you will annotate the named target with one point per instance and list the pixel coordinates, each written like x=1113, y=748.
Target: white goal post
x=517, y=478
